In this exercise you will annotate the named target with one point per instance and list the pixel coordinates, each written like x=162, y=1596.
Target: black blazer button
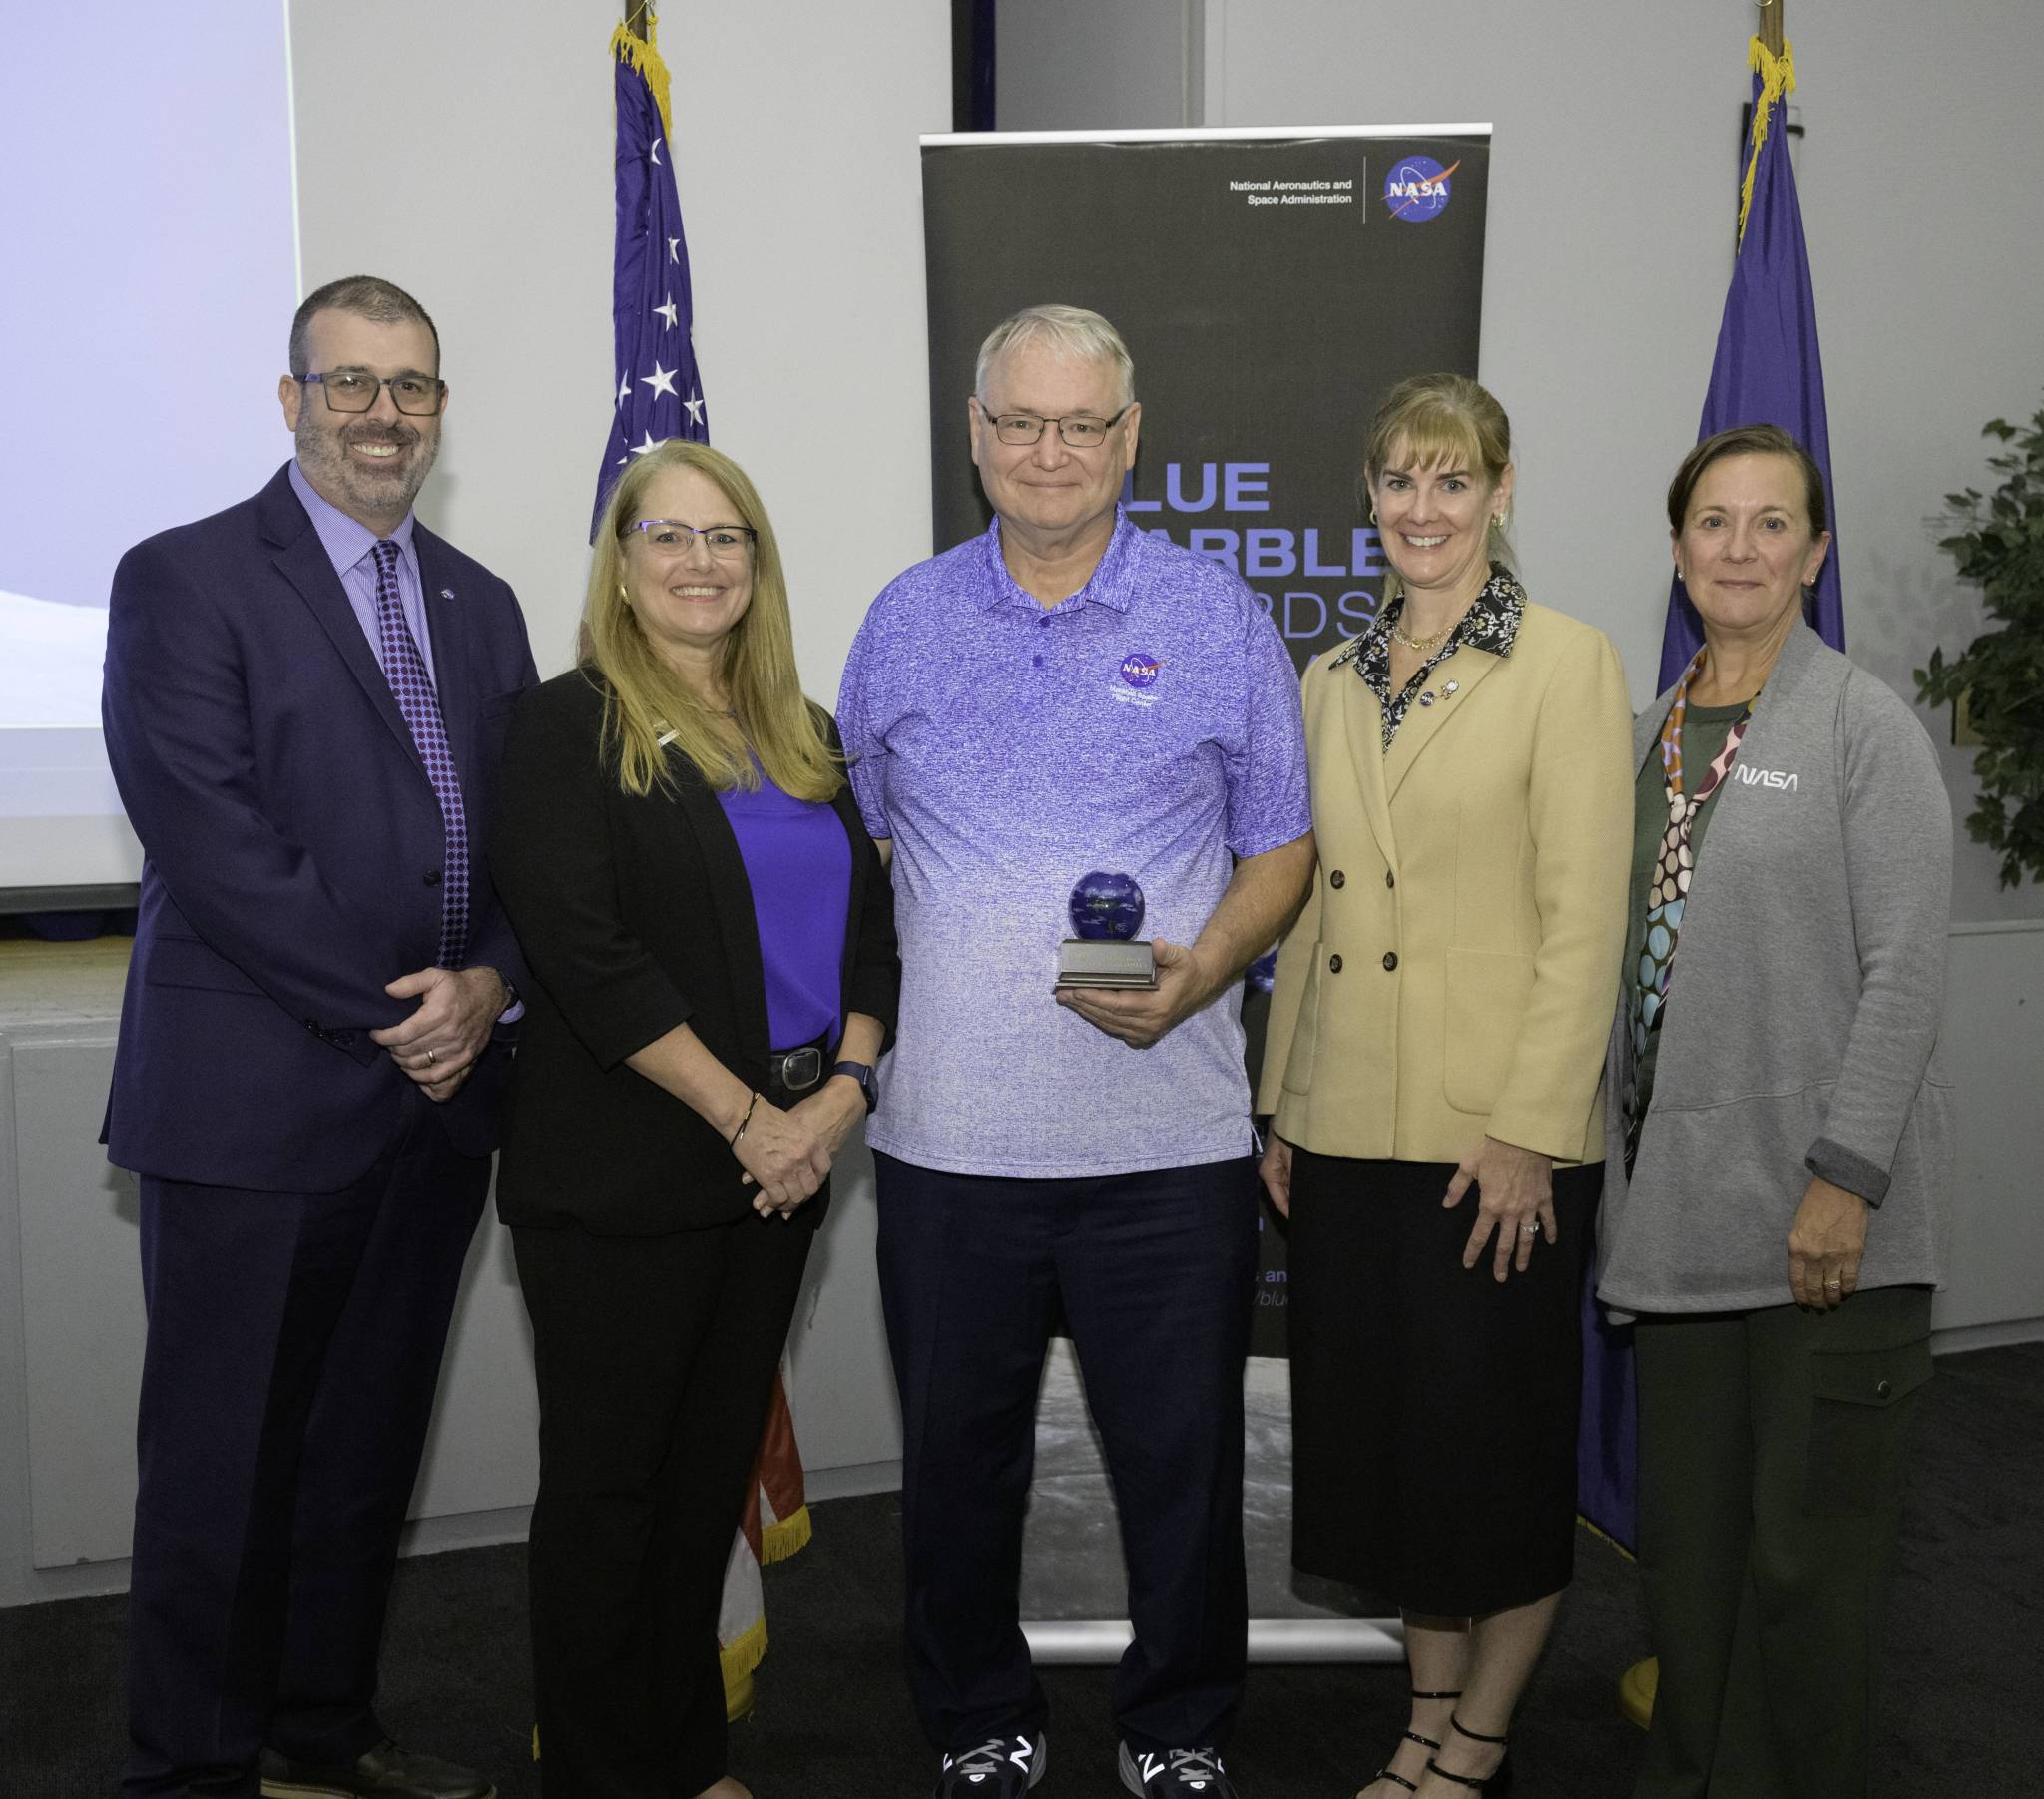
x=1338, y=879
x=432, y=877
x=1390, y=959
x=1391, y=880
x=1883, y=1389
x=1333, y=965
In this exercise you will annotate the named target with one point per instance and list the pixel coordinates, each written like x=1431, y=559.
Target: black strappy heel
x=1496, y=1784
x=1413, y=1736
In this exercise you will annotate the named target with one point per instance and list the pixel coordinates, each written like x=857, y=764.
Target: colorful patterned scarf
x=1668, y=892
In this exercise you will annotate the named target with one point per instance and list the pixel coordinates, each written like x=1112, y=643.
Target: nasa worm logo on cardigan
x=1765, y=777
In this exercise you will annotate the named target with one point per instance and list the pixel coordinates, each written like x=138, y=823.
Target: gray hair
x=366, y=296
x=1070, y=332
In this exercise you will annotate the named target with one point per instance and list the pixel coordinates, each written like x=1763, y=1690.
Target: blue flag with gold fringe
x=1768, y=370
x=658, y=394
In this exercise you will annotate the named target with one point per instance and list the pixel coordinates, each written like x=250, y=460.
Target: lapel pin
x=1426, y=698
x=446, y=592
x=1454, y=686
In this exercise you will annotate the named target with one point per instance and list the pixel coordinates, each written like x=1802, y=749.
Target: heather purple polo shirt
x=1150, y=725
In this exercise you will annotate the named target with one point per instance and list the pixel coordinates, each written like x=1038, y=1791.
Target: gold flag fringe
x=739, y=1659
x=784, y=1537
x=644, y=57
x=1777, y=79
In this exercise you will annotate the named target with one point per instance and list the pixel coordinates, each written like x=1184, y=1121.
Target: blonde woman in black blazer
x=711, y=944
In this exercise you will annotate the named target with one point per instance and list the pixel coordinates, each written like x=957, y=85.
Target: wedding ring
x=432, y=1059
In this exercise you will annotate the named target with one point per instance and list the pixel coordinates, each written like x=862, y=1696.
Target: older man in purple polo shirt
x=1065, y=694
x=306, y=701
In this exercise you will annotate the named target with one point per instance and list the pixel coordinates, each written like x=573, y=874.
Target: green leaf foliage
x=1996, y=541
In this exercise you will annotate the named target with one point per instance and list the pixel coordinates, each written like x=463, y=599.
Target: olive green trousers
x=1771, y=1474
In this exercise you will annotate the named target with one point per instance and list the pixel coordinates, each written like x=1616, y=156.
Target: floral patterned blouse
x=1491, y=623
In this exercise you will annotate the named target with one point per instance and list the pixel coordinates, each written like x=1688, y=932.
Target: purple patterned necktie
x=406, y=669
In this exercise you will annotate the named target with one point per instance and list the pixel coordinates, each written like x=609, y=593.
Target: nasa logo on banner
x=1417, y=188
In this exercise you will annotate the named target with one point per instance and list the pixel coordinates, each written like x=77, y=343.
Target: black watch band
x=862, y=1072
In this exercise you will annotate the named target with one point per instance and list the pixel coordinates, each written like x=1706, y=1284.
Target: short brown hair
x=1747, y=440
x=366, y=296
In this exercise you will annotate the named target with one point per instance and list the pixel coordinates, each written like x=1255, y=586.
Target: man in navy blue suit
x=306, y=701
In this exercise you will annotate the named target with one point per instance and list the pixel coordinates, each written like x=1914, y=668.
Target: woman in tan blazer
x=1435, y=1057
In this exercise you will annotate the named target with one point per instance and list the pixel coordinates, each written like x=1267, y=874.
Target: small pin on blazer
x=446, y=592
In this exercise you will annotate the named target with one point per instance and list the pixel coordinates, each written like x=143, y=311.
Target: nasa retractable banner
x=1271, y=285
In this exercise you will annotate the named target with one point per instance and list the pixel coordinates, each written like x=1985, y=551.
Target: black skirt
x=1433, y=1409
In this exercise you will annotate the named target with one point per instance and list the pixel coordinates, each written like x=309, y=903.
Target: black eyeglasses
x=350, y=391
x=1079, y=430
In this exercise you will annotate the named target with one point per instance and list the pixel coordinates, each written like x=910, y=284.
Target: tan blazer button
x=1391, y=880
x=1333, y=965
x=1338, y=879
x=1390, y=959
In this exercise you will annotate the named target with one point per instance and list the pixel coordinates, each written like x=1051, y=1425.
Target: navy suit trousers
x=294, y=1344
x=1154, y=1270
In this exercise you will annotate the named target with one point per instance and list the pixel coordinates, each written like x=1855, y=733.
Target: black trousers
x=655, y=1359
x=1773, y=1444
x=1154, y=1270
x=294, y=1344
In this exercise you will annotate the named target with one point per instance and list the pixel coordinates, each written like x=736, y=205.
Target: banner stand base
x=1086, y=1642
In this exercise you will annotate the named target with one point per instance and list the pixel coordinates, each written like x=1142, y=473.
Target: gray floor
x=1963, y=1681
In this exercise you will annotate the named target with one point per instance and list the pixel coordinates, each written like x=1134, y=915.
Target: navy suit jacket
x=293, y=847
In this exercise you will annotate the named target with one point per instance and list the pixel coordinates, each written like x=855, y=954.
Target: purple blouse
x=799, y=861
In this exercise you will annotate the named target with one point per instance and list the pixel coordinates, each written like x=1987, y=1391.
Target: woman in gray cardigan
x=1774, y=1199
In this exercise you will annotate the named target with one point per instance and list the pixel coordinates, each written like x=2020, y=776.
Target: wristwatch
x=861, y=1073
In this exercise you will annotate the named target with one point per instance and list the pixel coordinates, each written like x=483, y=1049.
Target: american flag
x=658, y=394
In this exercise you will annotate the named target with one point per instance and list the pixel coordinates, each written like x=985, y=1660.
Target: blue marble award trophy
x=1107, y=912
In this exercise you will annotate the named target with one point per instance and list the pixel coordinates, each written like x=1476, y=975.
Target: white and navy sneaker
x=1002, y=1768
x=1175, y=1775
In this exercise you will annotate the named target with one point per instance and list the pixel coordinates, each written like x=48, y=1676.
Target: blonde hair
x=1437, y=420
x=648, y=709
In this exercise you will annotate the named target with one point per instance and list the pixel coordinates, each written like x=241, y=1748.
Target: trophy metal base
x=1105, y=962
